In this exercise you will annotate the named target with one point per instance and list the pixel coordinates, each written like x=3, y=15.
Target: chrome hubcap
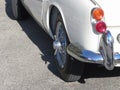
x=60, y=44
x=56, y=45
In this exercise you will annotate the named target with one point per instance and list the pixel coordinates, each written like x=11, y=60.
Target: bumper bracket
x=106, y=50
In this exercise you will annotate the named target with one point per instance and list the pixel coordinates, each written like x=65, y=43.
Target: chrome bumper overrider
x=107, y=57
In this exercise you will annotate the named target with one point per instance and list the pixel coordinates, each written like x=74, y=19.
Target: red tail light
x=101, y=27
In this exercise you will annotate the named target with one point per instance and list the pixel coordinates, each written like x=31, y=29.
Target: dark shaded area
x=98, y=71
x=8, y=9
x=37, y=35
x=44, y=43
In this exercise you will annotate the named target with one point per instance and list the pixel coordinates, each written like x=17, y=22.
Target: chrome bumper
x=107, y=57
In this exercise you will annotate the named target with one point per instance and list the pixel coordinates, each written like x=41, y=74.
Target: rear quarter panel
x=76, y=15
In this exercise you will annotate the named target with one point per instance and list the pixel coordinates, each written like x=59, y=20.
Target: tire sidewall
x=19, y=12
x=63, y=71
x=15, y=8
x=73, y=69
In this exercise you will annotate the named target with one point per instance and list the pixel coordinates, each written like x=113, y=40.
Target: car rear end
x=103, y=38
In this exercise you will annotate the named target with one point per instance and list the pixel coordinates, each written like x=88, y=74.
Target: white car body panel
x=112, y=19
x=76, y=15
x=35, y=8
x=111, y=9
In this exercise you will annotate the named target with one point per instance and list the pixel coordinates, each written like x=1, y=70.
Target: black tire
x=72, y=69
x=18, y=10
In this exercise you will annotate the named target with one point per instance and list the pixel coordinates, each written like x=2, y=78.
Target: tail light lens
x=98, y=14
x=101, y=27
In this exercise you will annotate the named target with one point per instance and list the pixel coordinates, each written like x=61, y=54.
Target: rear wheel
x=18, y=10
x=70, y=69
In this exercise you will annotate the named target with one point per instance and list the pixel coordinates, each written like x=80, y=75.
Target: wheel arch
x=58, y=8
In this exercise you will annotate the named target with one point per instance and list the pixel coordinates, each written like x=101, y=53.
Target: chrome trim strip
x=117, y=56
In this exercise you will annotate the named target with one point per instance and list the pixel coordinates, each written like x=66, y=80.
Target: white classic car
x=83, y=31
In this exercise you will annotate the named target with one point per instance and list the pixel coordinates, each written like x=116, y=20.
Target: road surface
x=26, y=60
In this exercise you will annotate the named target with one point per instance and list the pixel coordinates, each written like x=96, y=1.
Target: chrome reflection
x=106, y=49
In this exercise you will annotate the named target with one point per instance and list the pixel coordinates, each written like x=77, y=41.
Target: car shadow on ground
x=98, y=71
x=44, y=43
x=38, y=36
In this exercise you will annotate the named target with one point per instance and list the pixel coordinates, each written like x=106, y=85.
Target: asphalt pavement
x=27, y=62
